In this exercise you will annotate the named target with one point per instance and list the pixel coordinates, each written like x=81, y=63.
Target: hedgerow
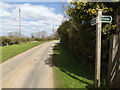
x=14, y=40
x=79, y=36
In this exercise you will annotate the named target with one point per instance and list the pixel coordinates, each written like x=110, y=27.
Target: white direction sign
x=93, y=21
x=105, y=19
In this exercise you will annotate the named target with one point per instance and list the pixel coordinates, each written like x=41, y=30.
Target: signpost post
x=98, y=22
x=98, y=48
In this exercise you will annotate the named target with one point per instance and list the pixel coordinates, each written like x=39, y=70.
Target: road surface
x=28, y=70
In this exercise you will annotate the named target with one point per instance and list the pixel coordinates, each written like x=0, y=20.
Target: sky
x=35, y=16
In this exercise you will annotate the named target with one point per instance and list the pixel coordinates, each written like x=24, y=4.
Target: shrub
x=14, y=40
x=79, y=36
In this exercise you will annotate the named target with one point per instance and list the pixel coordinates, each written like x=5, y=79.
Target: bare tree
x=43, y=34
x=10, y=34
x=55, y=35
x=13, y=34
x=38, y=34
x=32, y=35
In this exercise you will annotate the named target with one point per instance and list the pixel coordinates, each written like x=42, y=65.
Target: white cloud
x=3, y=9
x=33, y=18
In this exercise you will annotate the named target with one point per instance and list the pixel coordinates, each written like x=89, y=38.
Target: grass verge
x=8, y=52
x=68, y=72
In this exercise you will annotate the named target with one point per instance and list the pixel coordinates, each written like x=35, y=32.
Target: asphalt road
x=28, y=70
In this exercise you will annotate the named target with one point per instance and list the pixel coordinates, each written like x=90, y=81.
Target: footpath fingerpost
x=98, y=22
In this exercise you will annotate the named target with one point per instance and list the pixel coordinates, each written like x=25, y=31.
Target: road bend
x=28, y=70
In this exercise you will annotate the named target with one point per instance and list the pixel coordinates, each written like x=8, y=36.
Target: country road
x=28, y=70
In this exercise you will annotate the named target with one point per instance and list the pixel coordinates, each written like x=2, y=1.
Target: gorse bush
x=79, y=36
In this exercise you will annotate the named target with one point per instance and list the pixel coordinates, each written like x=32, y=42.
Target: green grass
x=70, y=73
x=12, y=50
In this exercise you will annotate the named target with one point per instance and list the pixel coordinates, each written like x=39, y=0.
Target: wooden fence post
x=118, y=33
x=114, y=58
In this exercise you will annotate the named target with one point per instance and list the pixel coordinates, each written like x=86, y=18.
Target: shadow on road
x=48, y=61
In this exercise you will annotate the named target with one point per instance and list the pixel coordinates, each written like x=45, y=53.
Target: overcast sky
x=35, y=16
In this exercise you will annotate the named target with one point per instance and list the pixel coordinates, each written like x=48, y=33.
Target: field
x=10, y=51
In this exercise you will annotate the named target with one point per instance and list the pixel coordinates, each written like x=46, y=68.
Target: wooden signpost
x=98, y=22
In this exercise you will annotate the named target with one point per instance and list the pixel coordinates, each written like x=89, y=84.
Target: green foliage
x=63, y=31
x=68, y=72
x=14, y=40
x=79, y=36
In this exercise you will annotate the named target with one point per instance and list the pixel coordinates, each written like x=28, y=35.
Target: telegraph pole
x=53, y=33
x=53, y=28
x=19, y=34
x=98, y=48
x=19, y=23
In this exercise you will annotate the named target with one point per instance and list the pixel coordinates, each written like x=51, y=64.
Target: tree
x=79, y=36
x=13, y=34
x=55, y=35
x=32, y=35
x=38, y=34
x=43, y=34
x=10, y=34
